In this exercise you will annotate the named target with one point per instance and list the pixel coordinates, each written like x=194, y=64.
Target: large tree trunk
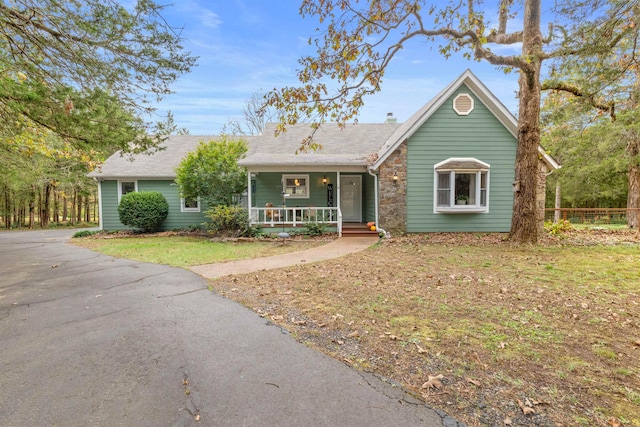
x=32, y=207
x=65, y=211
x=46, y=205
x=633, y=197
x=633, y=194
x=524, y=227
x=7, y=209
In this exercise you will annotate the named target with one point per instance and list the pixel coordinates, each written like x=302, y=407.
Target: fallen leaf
x=474, y=382
x=277, y=317
x=54, y=266
x=525, y=409
x=507, y=421
x=421, y=350
x=613, y=422
x=393, y=337
x=433, y=382
x=197, y=417
x=637, y=343
x=354, y=334
x=298, y=322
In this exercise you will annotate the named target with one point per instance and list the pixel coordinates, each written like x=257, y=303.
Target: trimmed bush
x=229, y=221
x=145, y=210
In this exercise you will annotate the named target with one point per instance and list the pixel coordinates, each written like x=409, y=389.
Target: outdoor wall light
x=395, y=177
x=324, y=180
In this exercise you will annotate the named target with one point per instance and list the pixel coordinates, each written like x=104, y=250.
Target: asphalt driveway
x=87, y=339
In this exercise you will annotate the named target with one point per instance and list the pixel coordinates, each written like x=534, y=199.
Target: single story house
x=450, y=167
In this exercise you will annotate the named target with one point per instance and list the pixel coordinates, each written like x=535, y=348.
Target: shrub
x=559, y=227
x=229, y=220
x=314, y=229
x=85, y=233
x=144, y=210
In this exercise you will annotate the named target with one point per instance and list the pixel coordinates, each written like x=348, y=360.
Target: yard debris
x=433, y=382
x=527, y=410
x=420, y=349
x=507, y=421
x=474, y=382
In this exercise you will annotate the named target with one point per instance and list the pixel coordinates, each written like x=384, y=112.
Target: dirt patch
x=491, y=333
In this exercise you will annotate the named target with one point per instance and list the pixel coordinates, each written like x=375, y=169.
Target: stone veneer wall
x=393, y=196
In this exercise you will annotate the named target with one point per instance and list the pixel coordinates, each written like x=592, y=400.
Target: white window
x=296, y=186
x=190, y=205
x=461, y=185
x=125, y=187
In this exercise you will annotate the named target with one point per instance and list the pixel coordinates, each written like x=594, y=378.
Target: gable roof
x=159, y=165
x=350, y=145
x=472, y=82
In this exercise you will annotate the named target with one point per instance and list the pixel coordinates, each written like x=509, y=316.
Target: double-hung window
x=461, y=185
x=125, y=187
x=296, y=186
x=190, y=204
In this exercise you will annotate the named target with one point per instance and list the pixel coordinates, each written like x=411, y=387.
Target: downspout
x=375, y=192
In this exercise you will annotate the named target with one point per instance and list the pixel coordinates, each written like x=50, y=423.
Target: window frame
x=184, y=208
x=307, y=185
x=460, y=166
x=123, y=181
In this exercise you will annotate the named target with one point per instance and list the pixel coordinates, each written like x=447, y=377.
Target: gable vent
x=463, y=104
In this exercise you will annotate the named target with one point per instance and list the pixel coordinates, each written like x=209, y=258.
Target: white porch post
x=338, y=204
x=249, y=197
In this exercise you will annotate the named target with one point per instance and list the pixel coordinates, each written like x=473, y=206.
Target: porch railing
x=295, y=216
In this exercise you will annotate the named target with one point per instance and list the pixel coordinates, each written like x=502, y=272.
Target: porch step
x=356, y=229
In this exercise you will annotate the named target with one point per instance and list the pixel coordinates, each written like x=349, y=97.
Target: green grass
x=184, y=251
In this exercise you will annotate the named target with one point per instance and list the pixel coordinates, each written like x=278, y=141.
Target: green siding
x=175, y=219
x=268, y=189
x=368, y=198
x=445, y=135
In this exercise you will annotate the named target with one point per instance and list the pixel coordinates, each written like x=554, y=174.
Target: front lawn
x=187, y=251
x=491, y=333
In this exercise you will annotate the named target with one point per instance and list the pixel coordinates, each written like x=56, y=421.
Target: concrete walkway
x=335, y=249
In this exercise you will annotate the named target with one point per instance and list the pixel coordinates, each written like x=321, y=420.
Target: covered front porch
x=292, y=199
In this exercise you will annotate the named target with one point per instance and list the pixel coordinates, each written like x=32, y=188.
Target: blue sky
x=250, y=45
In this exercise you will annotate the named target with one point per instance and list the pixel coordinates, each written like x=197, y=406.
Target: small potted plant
x=462, y=199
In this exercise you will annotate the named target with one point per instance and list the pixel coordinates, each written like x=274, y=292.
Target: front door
x=351, y=198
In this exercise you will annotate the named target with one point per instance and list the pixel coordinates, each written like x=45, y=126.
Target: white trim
x=297, y=176
x=441, y=167
x=293, y=169
x=461, y=112
x=120, y=181
x=358, y=202
x=183, y=208
x=100, y=225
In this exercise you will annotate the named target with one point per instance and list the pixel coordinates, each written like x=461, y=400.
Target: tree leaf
x=433, y=382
